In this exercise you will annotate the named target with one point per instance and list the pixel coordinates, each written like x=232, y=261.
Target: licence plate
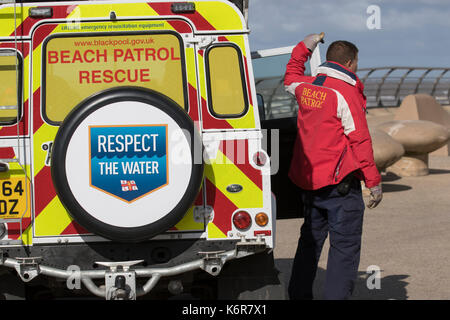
x=14, y=198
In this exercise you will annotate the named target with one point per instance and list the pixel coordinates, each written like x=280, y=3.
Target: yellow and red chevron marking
x=24, y=23
x=7, y=20
x=16, y=230
x=208, y=121
x=51, y=218
x=188, y=223
x=194, y=111
x=247, y=121
x=209, y=15
x=231, y=168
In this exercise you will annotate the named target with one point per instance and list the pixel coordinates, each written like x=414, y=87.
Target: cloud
x=418, y=18
x=278, y=21
x=411, y=30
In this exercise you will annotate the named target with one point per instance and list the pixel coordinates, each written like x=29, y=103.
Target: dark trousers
x=341, y=216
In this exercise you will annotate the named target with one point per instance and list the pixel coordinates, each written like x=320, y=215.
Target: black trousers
x=327, y=211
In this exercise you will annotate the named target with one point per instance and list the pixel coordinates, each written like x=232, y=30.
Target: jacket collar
x=335, y=70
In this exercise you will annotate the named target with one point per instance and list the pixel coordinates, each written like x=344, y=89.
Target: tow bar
x=120, y=278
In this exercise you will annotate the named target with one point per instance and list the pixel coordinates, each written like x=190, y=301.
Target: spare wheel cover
x=122, y=167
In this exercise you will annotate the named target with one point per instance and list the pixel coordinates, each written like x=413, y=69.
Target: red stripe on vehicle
x=14, y=228
x=43, y=32
x=23, y=124
x=240, y=158
x=37, y=119
x=164, y=9
x=74, y=229
x=22, y=46
x=223, y=207
x=7, y=153
x=24, y=28
x=193, y=105
x=199, y=200
x=209, y=122
x=58, y=12
x=180, y=26
x=248, y=81
x=43, y=189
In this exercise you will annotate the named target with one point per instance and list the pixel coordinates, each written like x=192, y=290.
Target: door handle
x=3, y=167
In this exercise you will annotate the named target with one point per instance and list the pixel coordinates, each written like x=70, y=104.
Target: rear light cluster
x=262, y=219
x=242, y=220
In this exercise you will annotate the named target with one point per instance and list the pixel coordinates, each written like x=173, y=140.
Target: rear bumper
x=209, y=259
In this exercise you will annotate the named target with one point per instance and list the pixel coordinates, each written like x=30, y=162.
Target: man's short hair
x=341, y=51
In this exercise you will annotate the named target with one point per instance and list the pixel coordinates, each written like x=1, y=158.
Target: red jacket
x=332, y=138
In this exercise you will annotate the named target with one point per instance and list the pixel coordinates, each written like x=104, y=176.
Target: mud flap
x=251, y=278
x=11, y=287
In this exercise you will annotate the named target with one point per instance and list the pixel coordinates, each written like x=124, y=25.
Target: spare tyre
x=124, y=164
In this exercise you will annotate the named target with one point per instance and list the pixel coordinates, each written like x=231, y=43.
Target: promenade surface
x=407, y=236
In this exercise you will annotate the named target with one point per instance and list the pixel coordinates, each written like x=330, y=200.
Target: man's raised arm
x=295, y=69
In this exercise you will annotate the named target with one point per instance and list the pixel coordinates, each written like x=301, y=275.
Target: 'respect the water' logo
x=128, y=162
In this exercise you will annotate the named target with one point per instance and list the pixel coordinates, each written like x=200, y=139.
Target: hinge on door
x=47, y=146
x=203, y=214
x=201, y=41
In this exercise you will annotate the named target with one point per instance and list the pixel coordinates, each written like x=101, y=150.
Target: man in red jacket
x=332, y=154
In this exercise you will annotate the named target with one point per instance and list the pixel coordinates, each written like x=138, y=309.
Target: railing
x=277, y=102
x=383, y=87
x=387, y=86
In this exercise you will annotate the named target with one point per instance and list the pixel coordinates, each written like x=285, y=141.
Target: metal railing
x=387, y=86
x=383, y=87
x=277, y=102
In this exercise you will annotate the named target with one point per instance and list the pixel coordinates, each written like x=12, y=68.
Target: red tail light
x=242, y=220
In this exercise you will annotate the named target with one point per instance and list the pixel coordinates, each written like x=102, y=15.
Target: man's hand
x=376, y=194
x=312, y=40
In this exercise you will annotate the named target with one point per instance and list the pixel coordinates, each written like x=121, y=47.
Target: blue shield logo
x=128, y=162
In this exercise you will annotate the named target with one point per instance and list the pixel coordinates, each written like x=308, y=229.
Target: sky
x=404, y=33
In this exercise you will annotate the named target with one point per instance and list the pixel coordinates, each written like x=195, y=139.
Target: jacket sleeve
x=295, y=68
x=355, y=126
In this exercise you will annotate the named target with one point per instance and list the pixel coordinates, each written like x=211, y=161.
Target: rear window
x=78, y=66
x=227, y=91
x=10, y=86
